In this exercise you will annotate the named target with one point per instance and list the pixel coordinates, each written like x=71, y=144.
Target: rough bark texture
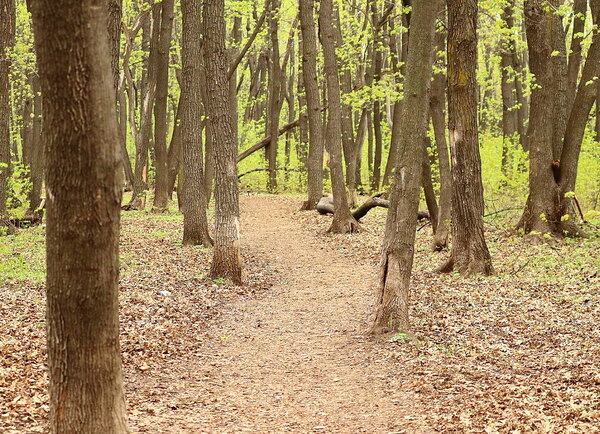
x=469, y=250
x=550, y=177
x=315, y=120
x=343, y=222
x=398, y=246
x=83, y=197
x=7, y=36
x=160, y=107
x=437, y=107
x=195, y=223
x=226, y=261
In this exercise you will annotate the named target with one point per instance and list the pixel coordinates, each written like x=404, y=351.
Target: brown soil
x=294, y=359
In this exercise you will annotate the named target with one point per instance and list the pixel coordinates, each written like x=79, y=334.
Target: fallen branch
x=264, y=142
x=261, y=169
x=325, y=206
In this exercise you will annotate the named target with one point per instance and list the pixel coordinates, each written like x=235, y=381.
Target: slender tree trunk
x=427, y=183
x=437, y=107
x=7, y=40
x=315, y=122
x=470, y=254
x=150, y=33
x=575, y=55
x=195, y=223
x=84, y=188
x=273, y=95
x=37, y=149
x=510, y=120
x=398, y=245
x=161, y=196
x=343, y=222
x=226, y=261
x=175, y=152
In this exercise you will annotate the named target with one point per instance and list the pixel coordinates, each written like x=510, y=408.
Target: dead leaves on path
x=166, y=301
x=515, y=352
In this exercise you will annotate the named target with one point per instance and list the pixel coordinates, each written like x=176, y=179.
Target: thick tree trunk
x=315, y=120
x=437, y=108
x=7, y=39
x=343, y=222
x=84, y=188
x=470, y=254
x=195, y=223
x=550, y=177
x=398, y=246
x=226, y=261
x=161, y=195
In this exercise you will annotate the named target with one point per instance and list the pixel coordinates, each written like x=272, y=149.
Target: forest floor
x=287, y=352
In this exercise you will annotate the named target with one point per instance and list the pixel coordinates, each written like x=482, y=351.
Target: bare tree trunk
x=550, y=177
x=273, y=95
x=398, y=245
x=161, y=199
x=510, y=120
x=175, y=152
x=195, y=223
x=7, y=40
x=427, y=183
x=150, y=34
x=343, y=222
x=84, y=188
x=437, y=107
x=311, y=86
x=226, y=254
x=470, y=254
x=37, y=149
x=575, y=55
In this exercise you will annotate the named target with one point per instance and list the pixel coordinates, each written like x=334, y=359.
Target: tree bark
x=510, y=119
x=315, y=122
x=83, y=198
x=470, y=254
x=226, y=261
x=273, y=95
x=550, y=177
x=7, y=40
x=343, y=222
x=392, y=302
x=195, y=223
x=437, y=108
x=161, y=195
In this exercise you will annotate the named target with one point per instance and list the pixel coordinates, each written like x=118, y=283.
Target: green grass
x=22, y=256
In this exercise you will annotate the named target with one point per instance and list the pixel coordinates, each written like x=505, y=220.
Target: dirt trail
x=293, y=359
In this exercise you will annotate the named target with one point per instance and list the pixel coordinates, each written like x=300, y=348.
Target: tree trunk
x=470, y=253
x=84, y=188
x=7, y=40
x=37, y=149
x=343, y=222
x=437, y=107
x=273, y=95
x=398, y=246
x=150, y=35
x=427, y=184
x=315, y=122
x=195, y=223
x=226, y=261
x=550, y=177
x=510, y=120
x=161, y=195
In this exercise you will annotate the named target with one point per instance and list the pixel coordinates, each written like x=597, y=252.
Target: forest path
x=294, y=358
